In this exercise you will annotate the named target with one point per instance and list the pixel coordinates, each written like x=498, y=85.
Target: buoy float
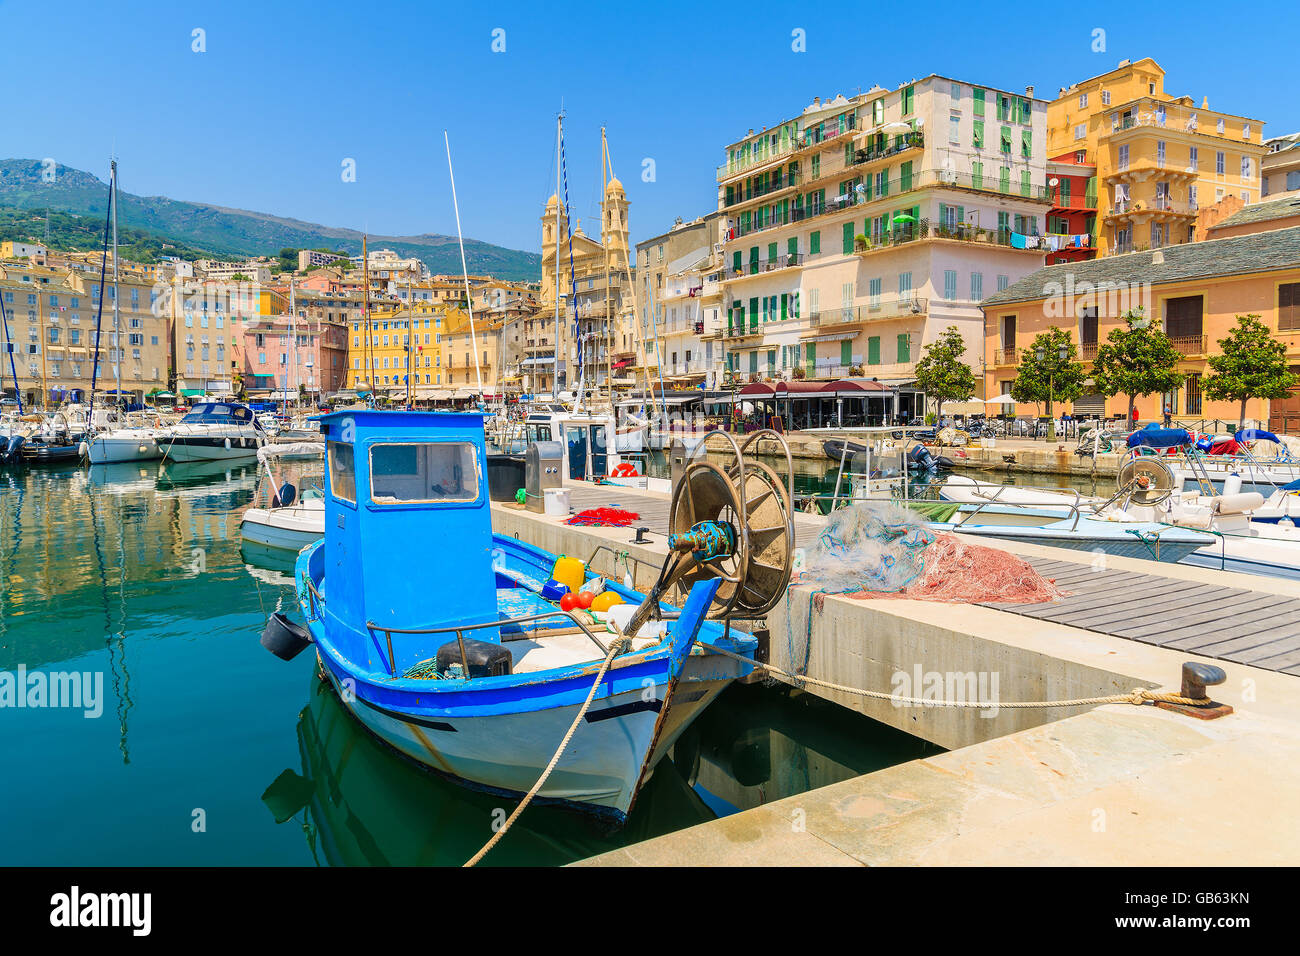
x=625, y=470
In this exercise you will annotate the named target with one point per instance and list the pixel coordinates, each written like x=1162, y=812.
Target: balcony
x=1072, y=201
x=1189, y=344
x=759, y=266
x=924, y=229
x=888, y=146
x=888, y=192
x=1009, y=356
x=894, y=307
x=775, y=185
x=1125, y=208
x=742, y=331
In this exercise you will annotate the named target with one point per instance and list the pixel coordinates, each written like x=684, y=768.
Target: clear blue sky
x=286, y=91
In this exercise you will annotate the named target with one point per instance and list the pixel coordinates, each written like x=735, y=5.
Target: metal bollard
x=1196, y=678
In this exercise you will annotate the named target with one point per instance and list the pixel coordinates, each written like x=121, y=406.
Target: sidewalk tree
x=1137, y=358
x=941, y=373
x=1050, y=378
x=1250, y=364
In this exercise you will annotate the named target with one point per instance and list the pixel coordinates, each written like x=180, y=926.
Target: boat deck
x=1216, y=621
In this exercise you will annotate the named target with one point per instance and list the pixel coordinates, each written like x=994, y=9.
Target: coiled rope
x=1139, y=695
x=615, y=647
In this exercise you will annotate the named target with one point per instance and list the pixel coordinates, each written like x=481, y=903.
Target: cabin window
x=343, y=475
x=425, y=472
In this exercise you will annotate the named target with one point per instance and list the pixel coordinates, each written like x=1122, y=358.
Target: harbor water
x=200, y=748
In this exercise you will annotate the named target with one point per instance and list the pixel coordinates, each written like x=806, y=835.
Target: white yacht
x=213, y=431
x=136, y=439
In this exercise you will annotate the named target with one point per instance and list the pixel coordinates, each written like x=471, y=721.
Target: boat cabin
x=221, y=413
x=408, y=527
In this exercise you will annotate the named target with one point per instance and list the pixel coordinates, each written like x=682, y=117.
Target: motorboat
x=290, y=521
x=136, y=439
x=213, y=431
x=468, y=668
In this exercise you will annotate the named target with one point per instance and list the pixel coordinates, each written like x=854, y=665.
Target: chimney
x=1029, y=92
x=817, y=101
x=1158, y=257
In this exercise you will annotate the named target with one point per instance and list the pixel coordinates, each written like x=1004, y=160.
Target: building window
x=1083, y=101
x=1081, y=131
x=1105, y=97
x=1288, y=307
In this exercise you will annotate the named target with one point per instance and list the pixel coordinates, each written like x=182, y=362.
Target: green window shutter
x=848, y=237
x=848, y=154
x=846, y=352
x=1090, y=191
x=1004, y=179
x=792, y=247
x=1004, y=142
x=811, y=353
x=978, y=125
x=815, y=243
x=961, y=215
x=979, y=103
x=816, y=165
x=753, y=259
x=1065, y=191
x=785, y=299
x=735, y=260
x=904, y=348
x=1026, y=143
x=1024, y=182
x=796, y=305
x=771, y=252
x=943, y=215
x=753, y=361
x=753, y=311
x=873, y=350
x=731, y=195
x=771, y=360
x=905, y=176
x=909, y=99
x=884, y=184
x=977, y=175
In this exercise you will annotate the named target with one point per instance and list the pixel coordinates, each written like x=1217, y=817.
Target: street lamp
x=1063, y=352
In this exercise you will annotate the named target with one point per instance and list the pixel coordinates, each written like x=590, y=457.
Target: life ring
x=625, y=470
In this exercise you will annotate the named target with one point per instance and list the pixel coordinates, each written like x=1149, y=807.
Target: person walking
x=1169, y=416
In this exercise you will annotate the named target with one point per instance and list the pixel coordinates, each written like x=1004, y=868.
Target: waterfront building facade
x=1158, y=157
x=858, y=231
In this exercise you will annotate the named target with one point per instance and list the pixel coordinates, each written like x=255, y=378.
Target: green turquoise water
x=210, y=751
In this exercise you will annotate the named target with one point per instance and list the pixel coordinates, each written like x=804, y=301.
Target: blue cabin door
x=577, y=442
x=599, y=460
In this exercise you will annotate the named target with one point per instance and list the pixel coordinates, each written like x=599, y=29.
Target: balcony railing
x=755, y=266
x=887, y=145
x=1125, y=207
x=1188, y=344
x=1073, y=201
x=924, y=229
x=892, y=189
x=889, y=308
x=1010, y=356
x=774, y=185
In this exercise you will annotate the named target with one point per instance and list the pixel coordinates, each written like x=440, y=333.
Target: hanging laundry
x=1017, y=241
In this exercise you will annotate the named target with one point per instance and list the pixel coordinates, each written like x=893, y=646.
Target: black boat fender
x=283, y=638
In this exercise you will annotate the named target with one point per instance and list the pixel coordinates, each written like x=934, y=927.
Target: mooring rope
x=1139, y=695
x=615, y=647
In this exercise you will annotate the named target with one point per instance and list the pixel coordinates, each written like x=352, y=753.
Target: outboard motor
x=13, y=446
x=920, y=457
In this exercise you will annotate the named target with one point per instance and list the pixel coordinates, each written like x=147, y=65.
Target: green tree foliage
x=1136, y=359
x=1052, y=378
x=1250, y=364
x=941, y=373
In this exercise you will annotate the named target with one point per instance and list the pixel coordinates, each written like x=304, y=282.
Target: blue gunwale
x=513, y=693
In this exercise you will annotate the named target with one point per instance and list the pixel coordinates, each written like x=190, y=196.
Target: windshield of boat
x=220, y=413
x=424, y=472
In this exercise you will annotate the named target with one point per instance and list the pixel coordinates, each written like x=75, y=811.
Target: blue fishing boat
x=437, y=637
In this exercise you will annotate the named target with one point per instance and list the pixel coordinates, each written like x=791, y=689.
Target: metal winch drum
x=730, y=520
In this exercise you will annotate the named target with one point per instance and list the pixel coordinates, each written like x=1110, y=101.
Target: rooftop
x=1262, y=212
x=1257, y=252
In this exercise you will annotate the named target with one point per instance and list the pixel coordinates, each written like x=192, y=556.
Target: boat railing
x=460, y=629
x=621, y=555
x=314, y=599
x=996, y=499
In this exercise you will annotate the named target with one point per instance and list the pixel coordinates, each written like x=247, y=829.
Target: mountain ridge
x=231, y=231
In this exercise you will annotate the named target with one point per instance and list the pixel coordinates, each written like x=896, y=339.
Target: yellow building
x=1159, y=157
x=402, y=343
x=471, y=362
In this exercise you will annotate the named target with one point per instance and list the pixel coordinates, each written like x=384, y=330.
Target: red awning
x=623, y=363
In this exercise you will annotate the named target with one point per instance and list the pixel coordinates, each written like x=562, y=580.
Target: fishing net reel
x=729, y=520
x=1144, y=481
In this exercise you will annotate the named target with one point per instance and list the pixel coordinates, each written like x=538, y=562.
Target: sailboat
x=108, y=439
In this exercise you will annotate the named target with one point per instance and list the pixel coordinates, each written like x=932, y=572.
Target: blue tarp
x=1255, y=434
x=1292, y=486
x=1155, y=437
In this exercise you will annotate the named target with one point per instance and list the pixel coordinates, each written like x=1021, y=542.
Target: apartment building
x=679, y=326
x=252, y=270
x=310, y=258
x=50, y=321
x=1280, y=168
x=859, y=230
x=1158, y=157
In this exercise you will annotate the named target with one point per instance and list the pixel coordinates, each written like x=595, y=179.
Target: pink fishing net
x=958, y=571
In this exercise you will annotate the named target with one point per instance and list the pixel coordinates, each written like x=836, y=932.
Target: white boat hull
x=290, y=528
x=230, y=449
x=109, y=449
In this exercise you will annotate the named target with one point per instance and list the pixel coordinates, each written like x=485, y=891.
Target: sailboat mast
x=464, y=268
x=293, y=324
x=604, y=215
x=365, y=311
x=117, y=325
x=555, y=370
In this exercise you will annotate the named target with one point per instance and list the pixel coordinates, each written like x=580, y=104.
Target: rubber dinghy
x=458, y=661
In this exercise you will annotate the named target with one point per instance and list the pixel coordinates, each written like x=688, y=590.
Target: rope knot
x=1139, y=696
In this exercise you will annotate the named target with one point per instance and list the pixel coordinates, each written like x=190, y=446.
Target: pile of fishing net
x=879, y=550
x=603, y=518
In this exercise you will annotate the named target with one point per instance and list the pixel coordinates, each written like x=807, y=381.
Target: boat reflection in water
x=360, y=803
